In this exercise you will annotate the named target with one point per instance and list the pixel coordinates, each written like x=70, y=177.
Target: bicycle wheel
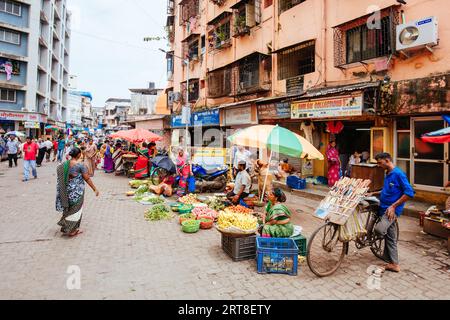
x=325, y=250
x=377, y=246
x=158, y=175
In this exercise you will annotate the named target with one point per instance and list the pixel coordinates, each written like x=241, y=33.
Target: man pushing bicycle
x=396, y=191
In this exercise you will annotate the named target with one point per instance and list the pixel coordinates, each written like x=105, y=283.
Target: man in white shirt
x=49, y=146
x=241, y=154
x=242, y=184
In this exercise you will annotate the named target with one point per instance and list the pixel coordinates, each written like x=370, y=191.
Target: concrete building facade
x=35, y=45
x=351, y=70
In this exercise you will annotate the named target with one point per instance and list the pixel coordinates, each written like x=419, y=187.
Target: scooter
x=201, y=173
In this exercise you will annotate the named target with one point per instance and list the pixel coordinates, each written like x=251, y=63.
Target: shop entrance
x=430, y=169
x=354, y=137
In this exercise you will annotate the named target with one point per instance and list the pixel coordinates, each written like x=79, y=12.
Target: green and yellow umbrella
x=276, y=139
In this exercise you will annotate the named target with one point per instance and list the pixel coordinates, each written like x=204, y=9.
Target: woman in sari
x=71, y=177
x=117, y=158
x=183, y=171
x=334, y=164
x=90, y=157
x=278, y=217
x=141, y=167
x=108, y=163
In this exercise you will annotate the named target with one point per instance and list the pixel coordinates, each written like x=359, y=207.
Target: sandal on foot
x=74, y=234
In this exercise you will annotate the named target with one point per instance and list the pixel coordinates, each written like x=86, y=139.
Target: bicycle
x=326, y=251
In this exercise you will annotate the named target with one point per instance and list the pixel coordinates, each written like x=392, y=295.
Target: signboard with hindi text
x=345, y=106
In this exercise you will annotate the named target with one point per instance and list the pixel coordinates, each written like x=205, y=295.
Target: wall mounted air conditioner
x=176, y=96
x=418, y=34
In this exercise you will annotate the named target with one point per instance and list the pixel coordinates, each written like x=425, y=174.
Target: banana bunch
x=232, y=219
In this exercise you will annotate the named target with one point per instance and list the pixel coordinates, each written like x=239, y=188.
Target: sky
x=107, y=51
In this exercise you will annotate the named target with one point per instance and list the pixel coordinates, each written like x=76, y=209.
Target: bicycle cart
x=349, y=216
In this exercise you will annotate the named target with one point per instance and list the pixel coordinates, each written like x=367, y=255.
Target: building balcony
x=42, y=42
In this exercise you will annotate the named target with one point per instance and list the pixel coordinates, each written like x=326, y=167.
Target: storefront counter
x=369, y=171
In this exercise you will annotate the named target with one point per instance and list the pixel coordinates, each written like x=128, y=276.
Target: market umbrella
x=276, y=139
x=50, y=127
x=136, y=135
x=16, y=133
x=439, y=136
x=165, y=162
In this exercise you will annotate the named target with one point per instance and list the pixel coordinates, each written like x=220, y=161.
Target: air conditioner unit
x=176, y=96
x=417, y=34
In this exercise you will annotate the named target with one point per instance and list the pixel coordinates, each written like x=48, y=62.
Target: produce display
x=130, y=193
x=238, y=209
x=141, y=190
x=215, y=203
x=233, y=222
x=205, y=211
x=190, y=226
x=189, y=199
x=158, y=212
x=137, y=183
x=187, y=216
x=206, y=222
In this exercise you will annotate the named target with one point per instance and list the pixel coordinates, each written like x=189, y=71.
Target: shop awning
x=237, y=104
x=325, y=91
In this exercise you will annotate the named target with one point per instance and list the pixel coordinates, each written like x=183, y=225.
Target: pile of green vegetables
x=158, y=212
x=215, y=203
x=137, y=183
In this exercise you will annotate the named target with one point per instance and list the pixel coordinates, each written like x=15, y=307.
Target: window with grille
x=11, y=7
x=297, y=60
x=193, y=49
x=249, y=73
x=194, y=90
x=219, y=83
x=170, y=59
x=9, y=36
x=284, y=5
x=7, y=95
x=222, y=34
x=364, y=43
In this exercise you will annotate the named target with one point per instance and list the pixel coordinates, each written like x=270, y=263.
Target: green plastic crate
x=301, y=242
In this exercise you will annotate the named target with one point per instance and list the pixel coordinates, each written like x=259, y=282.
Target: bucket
x=191, y=184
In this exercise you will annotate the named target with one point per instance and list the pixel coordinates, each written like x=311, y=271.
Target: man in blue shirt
x=396, y=191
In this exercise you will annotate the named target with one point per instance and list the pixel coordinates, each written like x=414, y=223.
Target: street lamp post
x=186, y=62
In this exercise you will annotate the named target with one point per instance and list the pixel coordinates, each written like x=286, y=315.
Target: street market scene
x=266, y=164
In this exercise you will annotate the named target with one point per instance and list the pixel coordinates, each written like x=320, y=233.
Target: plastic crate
x=239, y=249
x=277, y=255
x=301, y=243
x=296, y=183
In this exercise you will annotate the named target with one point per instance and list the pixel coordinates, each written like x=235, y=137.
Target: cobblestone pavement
x=122, y=256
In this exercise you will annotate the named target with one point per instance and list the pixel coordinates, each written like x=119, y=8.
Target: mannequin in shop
x=307, y=127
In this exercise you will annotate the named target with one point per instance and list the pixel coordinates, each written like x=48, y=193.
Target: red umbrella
x=136, y=135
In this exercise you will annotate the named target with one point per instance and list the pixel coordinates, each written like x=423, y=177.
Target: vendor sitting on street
x=278, y=217
x=242, y=184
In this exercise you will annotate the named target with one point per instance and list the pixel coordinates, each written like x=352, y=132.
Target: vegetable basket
x=234, y=232
x=206, y=222
x=186, y=208
x=190, y=226
x=186, y=217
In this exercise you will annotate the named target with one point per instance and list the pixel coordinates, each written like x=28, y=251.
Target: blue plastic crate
x=295, y=182
x=277, y=255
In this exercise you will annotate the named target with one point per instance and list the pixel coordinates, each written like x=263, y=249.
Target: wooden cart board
x=342, y=200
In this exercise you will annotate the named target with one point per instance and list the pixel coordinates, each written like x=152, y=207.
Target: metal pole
x=267, y=174
x=187, y=104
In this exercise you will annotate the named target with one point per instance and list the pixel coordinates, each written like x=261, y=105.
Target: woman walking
x=90, y=159
x=334, y=164
x=71, y=178
x=278, y=217
x=108, y=163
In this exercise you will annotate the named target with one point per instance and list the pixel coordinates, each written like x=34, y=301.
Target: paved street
x=122, y=256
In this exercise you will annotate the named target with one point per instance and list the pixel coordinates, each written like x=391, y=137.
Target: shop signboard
x=22, y=116
x=207, y=118
x=239, y=116
x=274, y=111
x=32, y=125
x=204, y=118
x=210, y=157
x=345, y=106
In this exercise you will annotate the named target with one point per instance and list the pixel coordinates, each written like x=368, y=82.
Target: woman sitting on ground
x=278, y=217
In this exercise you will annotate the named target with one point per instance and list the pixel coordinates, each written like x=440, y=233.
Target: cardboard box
x=435, y=228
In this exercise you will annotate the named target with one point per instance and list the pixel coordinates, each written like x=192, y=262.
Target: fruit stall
x=240, y=227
